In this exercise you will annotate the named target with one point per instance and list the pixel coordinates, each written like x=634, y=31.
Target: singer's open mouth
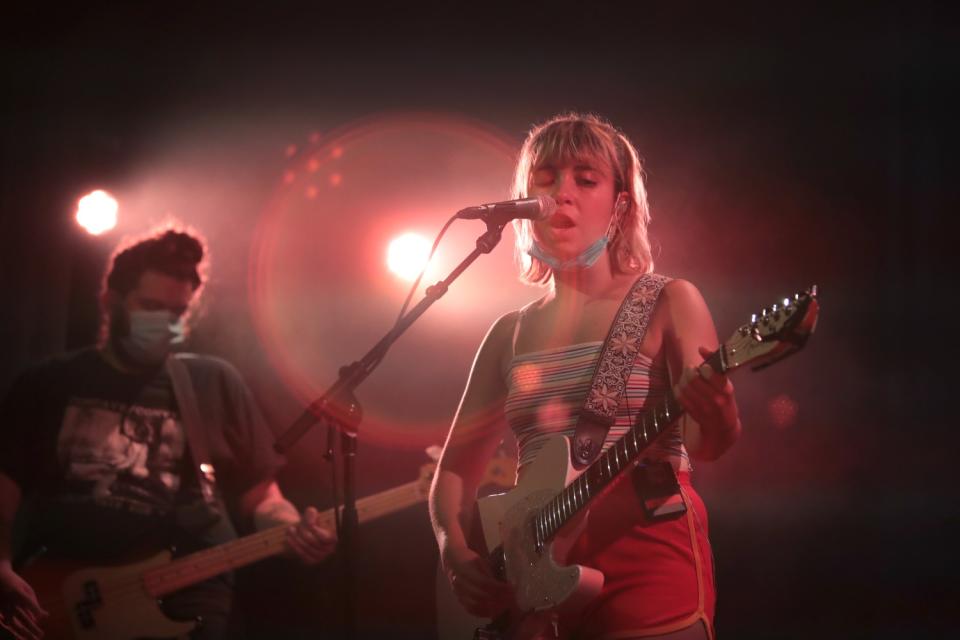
x=561, y=221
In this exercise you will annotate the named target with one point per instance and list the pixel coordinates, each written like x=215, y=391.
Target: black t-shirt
x=105, y=454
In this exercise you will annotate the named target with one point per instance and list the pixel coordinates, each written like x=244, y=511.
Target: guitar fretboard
x=645, y=429
x=208, y=563
x=604, y=469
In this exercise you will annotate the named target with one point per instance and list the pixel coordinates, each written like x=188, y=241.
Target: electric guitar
x=529, y=530
x=120, y=602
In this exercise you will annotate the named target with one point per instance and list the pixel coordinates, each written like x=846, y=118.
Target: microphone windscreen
x=547, y=206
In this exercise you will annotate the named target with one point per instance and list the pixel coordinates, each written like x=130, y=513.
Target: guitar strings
x=381, y=502
x=249, y=549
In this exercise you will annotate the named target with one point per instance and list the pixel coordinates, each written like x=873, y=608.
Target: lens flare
x=407, y=255
x=324, y=286
x=97, y=212
x=783, y=411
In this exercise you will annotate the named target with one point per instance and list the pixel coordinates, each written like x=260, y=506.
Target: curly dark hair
x=174, y=253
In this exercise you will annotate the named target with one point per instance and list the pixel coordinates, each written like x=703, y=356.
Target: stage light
x=407, y=255
x=97, y=212
x=323, y=286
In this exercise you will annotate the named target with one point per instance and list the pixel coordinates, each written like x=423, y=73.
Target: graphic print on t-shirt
x=121, y=456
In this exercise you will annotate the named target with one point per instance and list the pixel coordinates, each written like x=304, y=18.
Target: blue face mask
x=587, y=258
x=152, y=333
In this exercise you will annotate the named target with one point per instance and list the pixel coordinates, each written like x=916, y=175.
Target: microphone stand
x=339, y=408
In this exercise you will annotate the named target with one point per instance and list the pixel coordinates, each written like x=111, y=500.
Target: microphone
x=539, y=208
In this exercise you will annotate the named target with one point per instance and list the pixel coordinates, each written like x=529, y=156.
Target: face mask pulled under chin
x=151, y=336
x=587, y=258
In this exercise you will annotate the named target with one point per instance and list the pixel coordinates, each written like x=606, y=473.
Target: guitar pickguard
x=538, y=578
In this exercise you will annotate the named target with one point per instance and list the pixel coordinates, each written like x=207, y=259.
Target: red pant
x=658, y=577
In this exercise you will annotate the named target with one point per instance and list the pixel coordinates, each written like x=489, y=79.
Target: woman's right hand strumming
x=473, y=582
x=475, y=434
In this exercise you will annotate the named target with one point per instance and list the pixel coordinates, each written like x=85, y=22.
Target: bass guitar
x=121, y=602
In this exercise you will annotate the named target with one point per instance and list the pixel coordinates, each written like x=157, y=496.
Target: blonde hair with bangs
x=568, y=138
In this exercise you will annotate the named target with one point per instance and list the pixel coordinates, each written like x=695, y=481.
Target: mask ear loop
x=618, y=211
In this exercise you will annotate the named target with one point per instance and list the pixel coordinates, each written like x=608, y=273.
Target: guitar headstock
x=772, y=334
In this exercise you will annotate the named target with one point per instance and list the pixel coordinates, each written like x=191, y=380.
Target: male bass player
x=98, y=458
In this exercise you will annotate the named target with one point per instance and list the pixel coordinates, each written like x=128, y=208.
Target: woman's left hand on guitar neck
x=708, y=399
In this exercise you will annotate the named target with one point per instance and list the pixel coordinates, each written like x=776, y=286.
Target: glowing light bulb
x=97, y=212
x=407, y=255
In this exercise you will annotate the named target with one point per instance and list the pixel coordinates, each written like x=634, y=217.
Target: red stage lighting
x=320, y=291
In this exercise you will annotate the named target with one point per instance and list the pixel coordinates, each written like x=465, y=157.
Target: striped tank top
x=546, y=390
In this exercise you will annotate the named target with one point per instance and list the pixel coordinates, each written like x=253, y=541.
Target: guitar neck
x=199, y=566
x=605, y=469
x=772, y=335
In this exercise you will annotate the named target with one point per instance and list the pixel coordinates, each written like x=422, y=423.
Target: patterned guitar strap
x=614, y=366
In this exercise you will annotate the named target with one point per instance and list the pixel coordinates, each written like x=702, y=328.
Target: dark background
x=784, y=146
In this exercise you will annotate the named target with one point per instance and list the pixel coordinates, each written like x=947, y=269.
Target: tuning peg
x=786, y=302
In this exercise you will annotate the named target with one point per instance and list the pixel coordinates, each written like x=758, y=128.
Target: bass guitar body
x=101, y=603
x=120, y=601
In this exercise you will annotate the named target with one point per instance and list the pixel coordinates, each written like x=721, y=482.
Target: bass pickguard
x=102, y=603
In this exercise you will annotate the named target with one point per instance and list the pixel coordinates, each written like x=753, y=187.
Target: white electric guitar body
x=537, y=569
